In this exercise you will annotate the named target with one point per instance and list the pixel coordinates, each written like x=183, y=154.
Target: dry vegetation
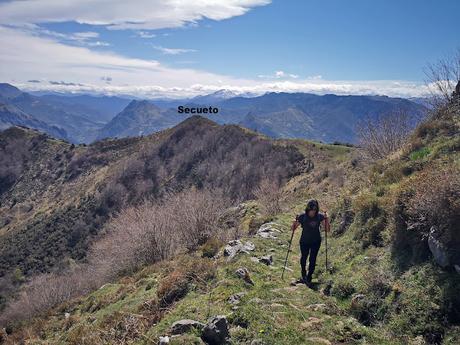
x=71, y=192
x=384, y=134
x=138, y=236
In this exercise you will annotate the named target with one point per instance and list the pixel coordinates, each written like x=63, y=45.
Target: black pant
x=311, y=248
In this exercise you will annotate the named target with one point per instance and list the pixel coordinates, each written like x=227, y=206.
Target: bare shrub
x=156, y=231
x=48, y=290
x=384, y=134
x=429, y=202
x=138, y=236
x=442, y=78
x=269, y=195
x=435, y=200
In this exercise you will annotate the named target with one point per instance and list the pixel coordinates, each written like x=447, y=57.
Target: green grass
x=420, y=154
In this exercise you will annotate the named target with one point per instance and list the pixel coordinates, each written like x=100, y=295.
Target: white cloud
x=173, y=51
x=80, y=38
x=26, y=57
x=145, y=34
x=279, y=75
x=85, y=35
x=122, y=14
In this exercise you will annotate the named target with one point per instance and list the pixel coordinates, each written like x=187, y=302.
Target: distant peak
x=136, y=104
x=197, y=120
x=9, y=91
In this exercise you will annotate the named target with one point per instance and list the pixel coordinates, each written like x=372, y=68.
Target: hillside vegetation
x=393, y=251
x=55, y=197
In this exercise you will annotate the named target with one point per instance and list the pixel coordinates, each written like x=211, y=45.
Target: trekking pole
x=287, y=254
x=325, y=233
x=327, y=228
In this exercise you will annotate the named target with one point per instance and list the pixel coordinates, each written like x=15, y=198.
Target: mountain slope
x=11, y=116
x=329, y=117
x=56, y=197
x=95, y=108
x=79, y=129
x=78, y=125
x=388, y=282
x=139, y=118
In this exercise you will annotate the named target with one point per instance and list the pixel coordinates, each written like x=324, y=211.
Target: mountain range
x=85, y=118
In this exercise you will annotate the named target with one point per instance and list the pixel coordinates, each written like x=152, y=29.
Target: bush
x=429, y=205
x=384, y=134
x=178, y=282
x=156, y=231
x=138, y=236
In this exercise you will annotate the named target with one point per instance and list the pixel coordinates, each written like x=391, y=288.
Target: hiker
x=310, y=240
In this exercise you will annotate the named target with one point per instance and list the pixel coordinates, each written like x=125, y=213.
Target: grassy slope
x=272, y=310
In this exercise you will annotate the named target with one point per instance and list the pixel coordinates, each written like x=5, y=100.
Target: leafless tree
x=442, y=79
x=384, y=134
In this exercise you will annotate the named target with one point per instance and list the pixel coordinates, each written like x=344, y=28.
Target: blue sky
x=153, y=48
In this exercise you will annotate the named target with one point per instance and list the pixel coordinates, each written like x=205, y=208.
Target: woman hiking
x=310, y=240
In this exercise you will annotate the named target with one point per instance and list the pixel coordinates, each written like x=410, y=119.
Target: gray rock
x=216, y=331
x=266, y=259
x=236, y=246
x=236, y=298
x=249, y=246
x=268, y=230
x=232, y=248
x=437, y=249
x=243, y=273
x=183, y=326
x=163, y=340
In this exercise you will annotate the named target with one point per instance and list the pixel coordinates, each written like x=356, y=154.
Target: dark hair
x=312, y=204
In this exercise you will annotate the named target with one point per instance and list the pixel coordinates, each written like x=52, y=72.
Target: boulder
x=183, y=326
x=232, y=248
x=236, y=246
x=216, y=331
x=268, y=230
x=236, y=298
x=243, y=273
x=266, y=259
x=248, y=246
